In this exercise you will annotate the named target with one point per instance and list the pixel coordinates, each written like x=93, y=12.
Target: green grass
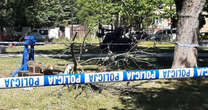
x=9, y=65
x=145, y=95
x=157, y=44
x=62, y=47
x=48, y=98
x=47, y=47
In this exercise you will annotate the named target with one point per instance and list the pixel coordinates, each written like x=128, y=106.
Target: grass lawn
x=49, y=98
x=141, y=95
x=62, y=48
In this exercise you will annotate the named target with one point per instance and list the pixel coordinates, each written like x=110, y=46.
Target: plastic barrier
x=114, y=76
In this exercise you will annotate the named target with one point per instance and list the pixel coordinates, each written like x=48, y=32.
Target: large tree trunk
x=187, y=32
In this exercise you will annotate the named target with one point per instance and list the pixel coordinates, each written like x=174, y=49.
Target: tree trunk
x=187, y=32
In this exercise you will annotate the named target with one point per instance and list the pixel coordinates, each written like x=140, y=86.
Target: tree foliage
x=35, y=13
x=49, y=13
x=39, y=13
x=130, y=12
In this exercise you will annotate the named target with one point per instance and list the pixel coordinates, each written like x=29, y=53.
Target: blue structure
x=28, y=54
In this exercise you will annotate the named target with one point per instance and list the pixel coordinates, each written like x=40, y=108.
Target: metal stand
x=28, y=54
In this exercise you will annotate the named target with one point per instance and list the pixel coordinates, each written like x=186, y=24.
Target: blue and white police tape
x=82, y=78
x=190, y=45
x=187, y=45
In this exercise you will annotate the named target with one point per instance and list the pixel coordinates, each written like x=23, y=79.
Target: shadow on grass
x=187, y=95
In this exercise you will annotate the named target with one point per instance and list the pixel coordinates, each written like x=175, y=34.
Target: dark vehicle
x=165, y=35
x=141, y=35
x=117, y=40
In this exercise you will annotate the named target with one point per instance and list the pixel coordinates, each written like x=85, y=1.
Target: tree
x=130, y=12
x=13, y=12
x=187, y=32
x=137, y=12
x=48, y=13
x=39, y=13
x=35, y=13
x=90, y=12
x=6, y=13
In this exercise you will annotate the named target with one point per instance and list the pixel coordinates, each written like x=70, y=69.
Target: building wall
x=80, y=29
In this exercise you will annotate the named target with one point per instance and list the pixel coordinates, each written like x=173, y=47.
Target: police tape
x=114, y=76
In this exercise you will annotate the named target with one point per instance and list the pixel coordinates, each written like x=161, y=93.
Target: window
x=43, y=32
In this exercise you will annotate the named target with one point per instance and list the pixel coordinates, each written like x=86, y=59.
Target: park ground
x=177, y=94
